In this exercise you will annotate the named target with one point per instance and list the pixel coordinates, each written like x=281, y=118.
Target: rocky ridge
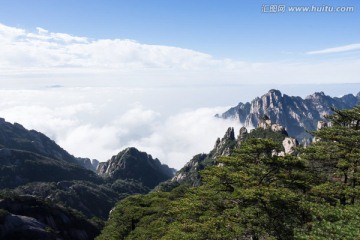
x=15, y=136
x=296, y=115
x=189, y=174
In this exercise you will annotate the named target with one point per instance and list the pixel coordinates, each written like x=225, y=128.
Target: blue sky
x=225, y=29
x=99, y=76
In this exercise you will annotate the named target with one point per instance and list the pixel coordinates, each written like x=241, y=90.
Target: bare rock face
x=277, y=128
x=295, y=114
x=242, y=135
x=222, y=147
x=289, y=144
x=266, y=124
x=88, y=164
x=321, y=124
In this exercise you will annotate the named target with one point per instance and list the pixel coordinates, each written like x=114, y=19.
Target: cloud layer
x=99, y=127
x=42, y=48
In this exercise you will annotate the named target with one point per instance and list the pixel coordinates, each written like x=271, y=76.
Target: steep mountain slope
x=18, y=167
x=297, y=115
x=15, y=136
x=190, y=173
x=133, y=164
x=32, y=164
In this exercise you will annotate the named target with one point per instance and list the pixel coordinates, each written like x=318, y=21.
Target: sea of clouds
x=99, y=122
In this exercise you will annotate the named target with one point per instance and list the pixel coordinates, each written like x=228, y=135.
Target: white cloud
x=340, y=49
x=47, y=49
x=183, y=135
x=44, y=56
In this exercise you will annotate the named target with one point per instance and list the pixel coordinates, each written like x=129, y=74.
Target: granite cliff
x=295, y=114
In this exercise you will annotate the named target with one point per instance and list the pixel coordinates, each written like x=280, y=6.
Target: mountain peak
x=229, y=135
x=316, y=95
x=131, y=163
x=274, y=92
x=295, y=114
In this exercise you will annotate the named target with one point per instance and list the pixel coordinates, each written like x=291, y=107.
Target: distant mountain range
x=297, y=115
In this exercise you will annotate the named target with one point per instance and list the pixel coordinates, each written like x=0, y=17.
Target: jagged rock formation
x=295, y=114
x=222, y=147
x=26, y=217
x=189, y=174
x=88, y=164
x=133, y=164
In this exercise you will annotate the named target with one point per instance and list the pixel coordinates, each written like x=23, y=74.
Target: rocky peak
x=349, y=98
x=222, y=147
x=133, y=164
x=272, y=98
x=274, y=94
x=229, y=135
x=242, y=135
x=298, y=116
x=90, y=164
x=316, y=95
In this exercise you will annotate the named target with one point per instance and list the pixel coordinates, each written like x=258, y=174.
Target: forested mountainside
x=258, y=192
x=256, y=184
x=189, y=174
